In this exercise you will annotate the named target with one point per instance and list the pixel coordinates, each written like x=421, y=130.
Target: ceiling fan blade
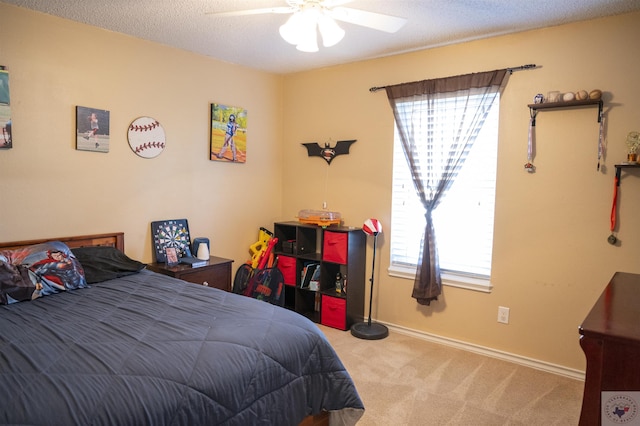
x=284, y=9
x=377, y=21
x=333, y=3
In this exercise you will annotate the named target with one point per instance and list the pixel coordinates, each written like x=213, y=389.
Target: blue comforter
x=148, y=349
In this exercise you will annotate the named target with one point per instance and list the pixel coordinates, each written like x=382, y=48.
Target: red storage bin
x=335, y=247
x=287, y=266
x=334, y=312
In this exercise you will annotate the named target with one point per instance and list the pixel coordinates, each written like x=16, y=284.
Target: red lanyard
x=615, y=204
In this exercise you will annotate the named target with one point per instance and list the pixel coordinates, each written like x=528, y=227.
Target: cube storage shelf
x=335, y=249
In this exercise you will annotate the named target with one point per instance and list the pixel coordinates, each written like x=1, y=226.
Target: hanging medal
x=529, y=167
x=600, y=139
x=612, y=238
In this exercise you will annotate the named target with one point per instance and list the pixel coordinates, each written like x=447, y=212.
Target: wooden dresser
x=216, y=273
x=610, y=339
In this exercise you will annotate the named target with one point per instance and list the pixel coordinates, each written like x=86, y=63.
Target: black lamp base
x=373, y=331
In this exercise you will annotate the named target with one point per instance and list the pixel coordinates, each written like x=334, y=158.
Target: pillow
x=15, y=284
x=105, y=263
x=51, y=268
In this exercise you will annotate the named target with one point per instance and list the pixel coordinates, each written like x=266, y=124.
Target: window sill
x=448, y=279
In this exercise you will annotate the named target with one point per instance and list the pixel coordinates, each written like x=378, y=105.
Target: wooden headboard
x=115, y=239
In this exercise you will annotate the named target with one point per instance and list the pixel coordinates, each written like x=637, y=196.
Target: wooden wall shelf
x=534, y=108
x=621, y=166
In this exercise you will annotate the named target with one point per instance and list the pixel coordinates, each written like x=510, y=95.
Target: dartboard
x=170, y=233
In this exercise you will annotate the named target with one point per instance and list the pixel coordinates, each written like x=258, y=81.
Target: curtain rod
x=511, y=70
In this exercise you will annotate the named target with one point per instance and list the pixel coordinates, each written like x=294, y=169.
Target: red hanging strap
x=615, y=204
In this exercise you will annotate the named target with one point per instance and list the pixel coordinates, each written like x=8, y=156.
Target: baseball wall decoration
x=146, y=137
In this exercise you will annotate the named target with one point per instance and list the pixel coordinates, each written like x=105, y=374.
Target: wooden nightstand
x=216, y=273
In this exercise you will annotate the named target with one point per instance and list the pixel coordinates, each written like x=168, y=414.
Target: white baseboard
x=505, y=356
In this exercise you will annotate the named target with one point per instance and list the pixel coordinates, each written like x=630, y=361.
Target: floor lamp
x=368, y=330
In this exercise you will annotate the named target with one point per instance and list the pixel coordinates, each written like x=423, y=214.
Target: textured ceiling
x=253, y=41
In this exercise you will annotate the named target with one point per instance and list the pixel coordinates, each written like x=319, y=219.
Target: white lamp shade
x=301, y=30
x=308, y=38
x=290, y=30
x=203, y=252
x=330, y=31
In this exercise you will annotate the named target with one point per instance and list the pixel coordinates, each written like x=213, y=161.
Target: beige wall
x=551, y=258
x=49, y=189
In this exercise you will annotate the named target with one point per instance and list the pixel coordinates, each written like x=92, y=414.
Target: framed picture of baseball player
x=92, y=129
x=228, y=140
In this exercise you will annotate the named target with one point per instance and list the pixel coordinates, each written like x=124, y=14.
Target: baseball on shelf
x=595, y=94
x=146, y=137
x=581, y=95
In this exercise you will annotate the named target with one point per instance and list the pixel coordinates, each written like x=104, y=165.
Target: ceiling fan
x=308, y=16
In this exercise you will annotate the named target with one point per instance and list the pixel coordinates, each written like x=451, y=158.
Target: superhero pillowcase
x=38, y=270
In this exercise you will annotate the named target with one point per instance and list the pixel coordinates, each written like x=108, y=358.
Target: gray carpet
x=407, y=381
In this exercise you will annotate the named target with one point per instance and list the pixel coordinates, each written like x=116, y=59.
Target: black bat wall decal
x=328, y=153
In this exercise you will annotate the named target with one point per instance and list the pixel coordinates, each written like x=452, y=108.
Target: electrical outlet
x=503, y=315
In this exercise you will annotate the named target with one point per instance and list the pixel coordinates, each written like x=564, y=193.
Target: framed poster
x=6, y=138
x=92, y=129
x=228, y=137
x=170, y=233
x=172, y=256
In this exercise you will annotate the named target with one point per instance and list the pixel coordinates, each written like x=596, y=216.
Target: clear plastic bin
x=319, y=217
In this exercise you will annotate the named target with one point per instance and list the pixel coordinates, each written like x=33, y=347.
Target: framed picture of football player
x=6, y=139
x=92, y=129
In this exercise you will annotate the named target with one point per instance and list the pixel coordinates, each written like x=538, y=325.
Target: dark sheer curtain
x=438, y=121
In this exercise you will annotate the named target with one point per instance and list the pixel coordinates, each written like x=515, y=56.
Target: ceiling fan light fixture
x=301, y=29
x=290, y=30
x=330, y=31
x=308, y=39
x=309, y=46
x=312, y=16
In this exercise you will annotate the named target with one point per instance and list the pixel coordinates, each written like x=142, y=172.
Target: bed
x=132, y=347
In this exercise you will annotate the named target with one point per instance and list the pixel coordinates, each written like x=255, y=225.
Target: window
x=463, y=221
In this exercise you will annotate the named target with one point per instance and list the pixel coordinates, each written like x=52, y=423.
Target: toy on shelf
x=319, y=217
